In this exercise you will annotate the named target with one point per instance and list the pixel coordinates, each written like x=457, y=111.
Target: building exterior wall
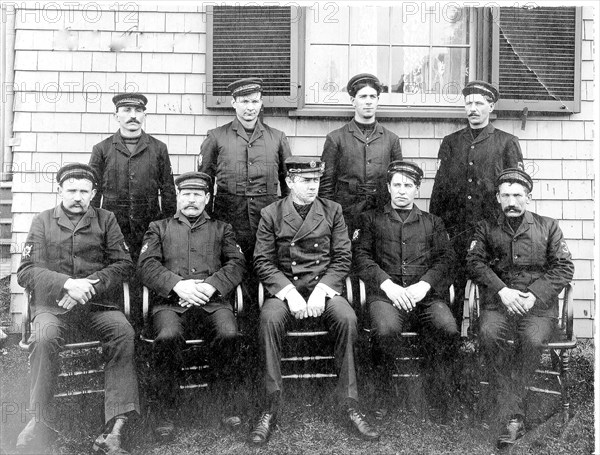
x=69, y=63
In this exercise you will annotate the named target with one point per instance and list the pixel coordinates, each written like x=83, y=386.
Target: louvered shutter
x=536, y=58
x=252, y=41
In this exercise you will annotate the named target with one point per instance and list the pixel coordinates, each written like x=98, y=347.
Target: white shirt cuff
x=281, y=294
x=330, y=292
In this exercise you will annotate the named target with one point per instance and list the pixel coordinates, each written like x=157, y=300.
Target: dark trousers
x=338, y=318
x=50, y=332
x=171, y=330
x=511, y=368
x=440, y=336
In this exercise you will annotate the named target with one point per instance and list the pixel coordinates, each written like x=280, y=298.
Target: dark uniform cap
x=482, y=88
x=76, y=171
x=130, y=99
x=363, y=77
x=245, y=86
x=514, y=175
x=408, y=168
x=304, y=164
x=193, y=181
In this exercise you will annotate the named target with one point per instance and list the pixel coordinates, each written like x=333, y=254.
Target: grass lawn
x=310, y=423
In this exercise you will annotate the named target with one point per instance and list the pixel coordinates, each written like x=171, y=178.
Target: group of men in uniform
x=254, y=213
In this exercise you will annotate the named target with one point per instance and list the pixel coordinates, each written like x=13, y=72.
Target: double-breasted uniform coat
x=55, y=251
x=137, y=187
x=356, y=167
x=533, y=258
x=249, y=171
x=303, y=253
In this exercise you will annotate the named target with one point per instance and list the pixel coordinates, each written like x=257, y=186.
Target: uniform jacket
x=248, y=173
x=386, y=248
x=55, y=251
x=302, y=252
x=130, y=183
x=464, y=190
x=173, y=250
x=535, y=258
x=355, y=168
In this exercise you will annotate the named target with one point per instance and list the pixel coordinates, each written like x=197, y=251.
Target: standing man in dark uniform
x=521, y=263
x=136, y=179
x=246, y=157
x=470, y=160
x=405, y=258
x=74, y=263
x=302, y=257
x=357, y=155
x=193, y=263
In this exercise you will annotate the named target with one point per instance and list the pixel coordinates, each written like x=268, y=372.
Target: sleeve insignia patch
x=144, y=248
x=355, y=235
x=564, y=247
x=125, y=247
x=199, y=160
x=27, y=251
x=239, y=248
x=473, y=244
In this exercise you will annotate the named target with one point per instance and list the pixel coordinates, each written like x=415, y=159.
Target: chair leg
x=565, y=357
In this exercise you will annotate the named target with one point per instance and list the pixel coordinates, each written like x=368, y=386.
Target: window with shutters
x=423, y=56
x=536, y=55
x=252, y=41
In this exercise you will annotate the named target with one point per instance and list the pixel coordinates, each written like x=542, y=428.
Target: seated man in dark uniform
x=405, y=258
x=74, y=263
x=193, y=263
x=302, y=256
x=521, y=263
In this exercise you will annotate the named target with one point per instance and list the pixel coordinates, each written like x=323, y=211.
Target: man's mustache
x=133, y=121
x=510, y=209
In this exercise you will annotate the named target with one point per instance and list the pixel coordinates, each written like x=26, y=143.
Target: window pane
x=454, y=26
x=409, y=28
x=371, y=59
x=323, y=26
x=326, y=74
x=409, y=68
x=417, y=70
x=370, y=25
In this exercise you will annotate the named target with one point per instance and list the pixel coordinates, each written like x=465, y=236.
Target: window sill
x=417, y=112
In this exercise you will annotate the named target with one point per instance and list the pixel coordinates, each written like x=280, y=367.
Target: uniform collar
x=527, y=220
x=485, y=133
x=117, y=141
x=183, y=219
x=414, y=214
x=64, y=221
x=355, y=130
x=236, y=125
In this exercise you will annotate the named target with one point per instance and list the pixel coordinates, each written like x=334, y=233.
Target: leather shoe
x=515, y=428
x=109, y=444
x=359, y=424
x=231, y=423
x=35, y=437
x=164, y=430
x=263, y=429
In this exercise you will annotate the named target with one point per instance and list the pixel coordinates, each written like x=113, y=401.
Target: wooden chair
x=85, y=374
x=321, y=364
x=559, y=348
x=195, y=360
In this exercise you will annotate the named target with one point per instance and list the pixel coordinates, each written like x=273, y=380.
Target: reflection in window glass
x=420, y=53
